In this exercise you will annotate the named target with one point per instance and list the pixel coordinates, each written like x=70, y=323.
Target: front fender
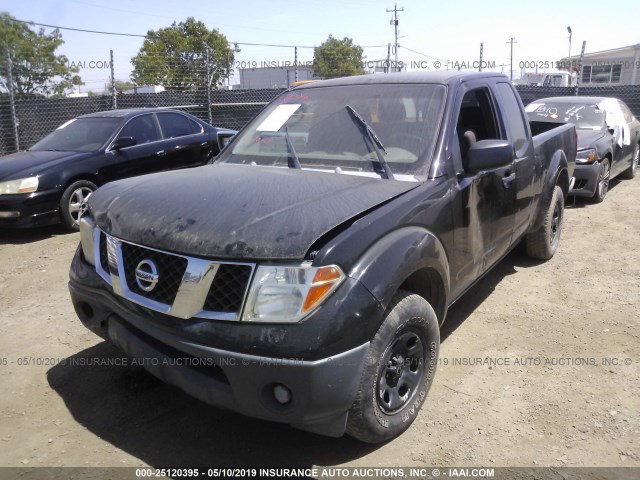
x=389, y=262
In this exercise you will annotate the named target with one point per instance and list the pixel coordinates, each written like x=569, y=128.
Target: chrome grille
x=171, y=268
x=228, y=288
x=184, y=286
x=104, y=256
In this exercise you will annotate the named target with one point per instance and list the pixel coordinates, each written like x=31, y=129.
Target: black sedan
x=608, y=139
x=50, y=182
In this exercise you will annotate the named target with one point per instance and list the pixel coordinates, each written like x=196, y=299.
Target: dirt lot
x=540, y=366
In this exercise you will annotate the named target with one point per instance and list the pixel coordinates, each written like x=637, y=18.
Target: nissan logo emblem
x=147, y=275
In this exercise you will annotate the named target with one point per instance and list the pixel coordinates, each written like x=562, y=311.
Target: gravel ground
x=540, y=366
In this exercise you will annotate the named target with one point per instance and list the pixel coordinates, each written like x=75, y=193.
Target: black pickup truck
x=304, y=276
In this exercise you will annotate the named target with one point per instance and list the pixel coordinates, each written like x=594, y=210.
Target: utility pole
x=511, y=41
x=570, y=32
x=394, y=22
x=114, y=94
x=579, y=72
x=480, y=64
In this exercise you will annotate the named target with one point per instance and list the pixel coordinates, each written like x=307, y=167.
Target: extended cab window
x=142, y=128
x=176, y=125
x=513, y=114
x=476, y=119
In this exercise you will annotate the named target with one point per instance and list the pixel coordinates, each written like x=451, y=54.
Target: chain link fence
x=37, y=115
x=629, y=94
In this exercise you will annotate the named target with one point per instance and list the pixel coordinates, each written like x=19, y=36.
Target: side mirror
x=488, y=154
x=224, y=138
x=123, y=142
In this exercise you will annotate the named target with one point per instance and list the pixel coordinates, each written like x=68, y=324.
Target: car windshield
x=326, y=128
x=582, y=116
x=80, y=135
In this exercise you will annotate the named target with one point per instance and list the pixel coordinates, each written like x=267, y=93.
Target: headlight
x=22, y=185
x=588, y=155
x=287, y=294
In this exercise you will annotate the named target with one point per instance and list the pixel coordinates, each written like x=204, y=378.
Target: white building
x=272, y=77
x=145, y=89
x=618, y=66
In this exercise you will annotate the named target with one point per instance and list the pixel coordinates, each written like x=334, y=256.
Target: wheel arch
x=410, y=258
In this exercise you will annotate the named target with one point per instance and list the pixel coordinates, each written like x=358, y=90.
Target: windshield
x=80, y=135
x=582, y=116
x=325, y=133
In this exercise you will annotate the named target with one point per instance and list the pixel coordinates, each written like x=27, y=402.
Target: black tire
x=398, y=372
x=603, y=181
x=630, y=172
x=72, y=200
x=543, y=243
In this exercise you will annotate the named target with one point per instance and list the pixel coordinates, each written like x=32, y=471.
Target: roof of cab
x=440, y=77
x=125, y=112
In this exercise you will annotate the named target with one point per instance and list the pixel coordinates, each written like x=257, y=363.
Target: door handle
x=508, y=179
x=161, y=153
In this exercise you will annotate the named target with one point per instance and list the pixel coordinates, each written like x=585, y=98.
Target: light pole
x=569, y=30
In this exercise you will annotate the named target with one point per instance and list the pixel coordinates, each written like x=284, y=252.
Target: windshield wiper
x=377, y=144
x=293, y=156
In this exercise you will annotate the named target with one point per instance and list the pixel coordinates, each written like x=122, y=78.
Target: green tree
x=565, y=64
x=184, y=56
x=122, y=85
x=35, y=66
x=337, y=58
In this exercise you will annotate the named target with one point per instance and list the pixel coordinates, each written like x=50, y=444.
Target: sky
x=429, y=31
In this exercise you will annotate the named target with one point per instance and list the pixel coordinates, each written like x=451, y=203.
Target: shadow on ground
x=164, y=427
x=19, y=236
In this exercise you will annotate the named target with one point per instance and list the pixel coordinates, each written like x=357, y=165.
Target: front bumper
x=586, y=176
x=30, y=209
x=322, y=388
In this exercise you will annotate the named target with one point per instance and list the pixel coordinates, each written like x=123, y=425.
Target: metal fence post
x=114, y=94
x=12, y=104
x=209, y=81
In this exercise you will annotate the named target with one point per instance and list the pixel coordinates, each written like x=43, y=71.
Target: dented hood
x=236, y=211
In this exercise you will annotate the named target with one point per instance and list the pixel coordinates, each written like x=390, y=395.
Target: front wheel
x=72, y=202
x=630, y=172
x=543, y=243
x=399, y=371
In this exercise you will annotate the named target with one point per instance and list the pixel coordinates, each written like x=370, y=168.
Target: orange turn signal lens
x=324, y=282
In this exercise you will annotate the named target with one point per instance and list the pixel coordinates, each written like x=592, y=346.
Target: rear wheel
x=603, y=181
x=630, y=172
x=544, y=242
x=72, y=202
x=399, y=371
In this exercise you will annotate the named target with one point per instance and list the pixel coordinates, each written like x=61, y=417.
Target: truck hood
x=236, y=211
x=29, y=163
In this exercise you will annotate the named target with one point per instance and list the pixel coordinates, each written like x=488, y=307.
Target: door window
x=142, y=128
x=176, y=125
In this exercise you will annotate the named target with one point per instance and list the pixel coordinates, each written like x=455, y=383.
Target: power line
x=425, y=55
x=150, y=36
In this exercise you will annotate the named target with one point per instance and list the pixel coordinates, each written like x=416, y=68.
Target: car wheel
x=72, y=202
x=398, y=372
x=630, y=172
x=603, y=181
x=544, y=242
